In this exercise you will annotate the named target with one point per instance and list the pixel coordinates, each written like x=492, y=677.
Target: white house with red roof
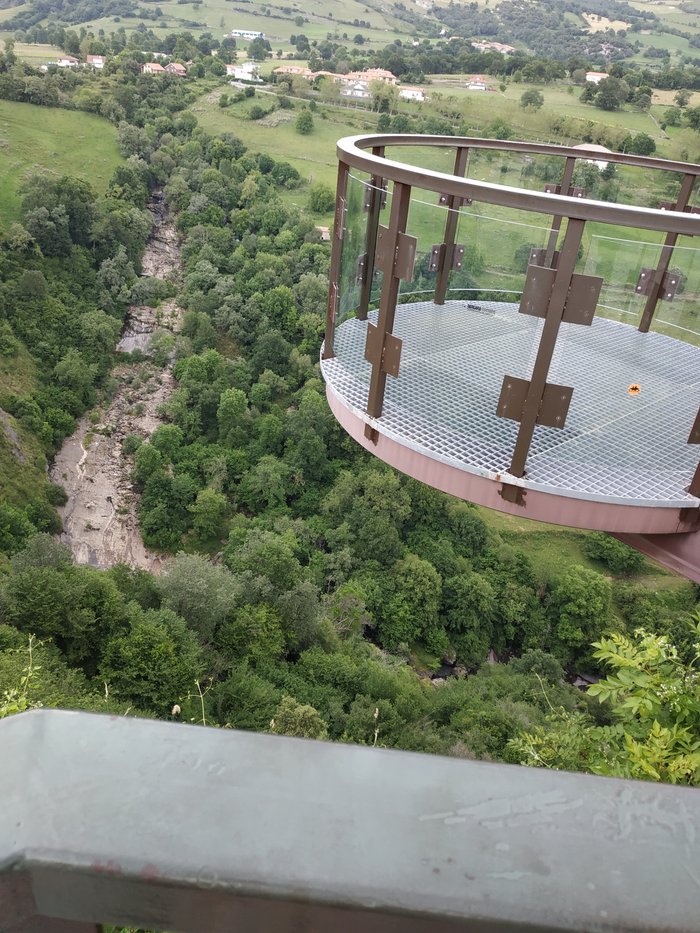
x=152, y=68
x=96, y=61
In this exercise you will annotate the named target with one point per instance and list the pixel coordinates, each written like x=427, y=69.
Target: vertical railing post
x=548, y=339
x=400, y=202
x=454, y=202
x=566, y=179
x=375, y=207
x=657, y=285
x=336, y=259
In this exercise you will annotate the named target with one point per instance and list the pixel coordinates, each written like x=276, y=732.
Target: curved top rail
x=351, y=150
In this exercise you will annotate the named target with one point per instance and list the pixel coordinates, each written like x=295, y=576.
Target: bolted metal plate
x=515, y=494
x=375, y=186
x=339, y=220
x=398, y=257
x=435, y=253
x=445, y=199
x=538, y=257
x=457, y=256
x=537, y=291
x=383, y=350
x=582, y=299
x=573, y=192
x=552, y=188
x=669, y=284
x=361, y=269
x=554, y=406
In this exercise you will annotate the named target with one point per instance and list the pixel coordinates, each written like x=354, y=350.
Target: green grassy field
x=58, y=141
x=321, y=18
x=36, y=54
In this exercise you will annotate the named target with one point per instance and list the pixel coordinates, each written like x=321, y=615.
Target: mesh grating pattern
x=615, y=447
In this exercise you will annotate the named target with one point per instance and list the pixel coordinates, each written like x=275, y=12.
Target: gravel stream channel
x=100, y=518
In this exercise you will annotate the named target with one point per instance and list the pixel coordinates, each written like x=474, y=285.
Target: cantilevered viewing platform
x=542, y=350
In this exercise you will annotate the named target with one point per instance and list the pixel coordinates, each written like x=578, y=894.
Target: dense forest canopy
x=307, y=583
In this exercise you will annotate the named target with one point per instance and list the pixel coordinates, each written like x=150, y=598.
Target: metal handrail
x=351, y=151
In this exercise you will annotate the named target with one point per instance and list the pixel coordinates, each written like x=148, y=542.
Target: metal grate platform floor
x=615, y=447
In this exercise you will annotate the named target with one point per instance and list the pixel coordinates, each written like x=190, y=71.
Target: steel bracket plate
x=539, y=256
x=573, y=192
x=695, y=430
x=514, y=494
x=669, y=284
x=554, y=405
x=457, y=202
x=383, y=349
x=376, y=185
x=435, y=254
x=361, y=271
x=333, y=300
x=339, y=219
x=398, y=257
x=457, y=256
x=671, y=206
x=581, y=299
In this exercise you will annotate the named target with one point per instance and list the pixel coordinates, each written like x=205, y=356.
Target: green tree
x=321, y=199
x=304, y=123
x=155, y=662
x=655, y=701
x=298, y=719
x=581, y=609
x=531, y=99
x=411, y=612
x=201, y=592
x=208, y=513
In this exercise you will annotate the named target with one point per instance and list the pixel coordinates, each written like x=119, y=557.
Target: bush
x=321, y=199
x=618, y=557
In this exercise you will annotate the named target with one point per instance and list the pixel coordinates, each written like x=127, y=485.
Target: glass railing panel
x=354, y=237
x=680, y=317
x=497, y=247
x=618, y=255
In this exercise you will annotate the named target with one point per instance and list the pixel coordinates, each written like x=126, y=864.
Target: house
x=595, y=77
x=152, y=68
x=600, y=164
x=246, y=34
x=248, y=71
x=477, y=83
x=357, y=91
x=484, y=46
x=67, y=61
x=371, y=74
x=324, y=234
x=96, y=61
x=416, y=94
x=175, y=68
x=297, y=71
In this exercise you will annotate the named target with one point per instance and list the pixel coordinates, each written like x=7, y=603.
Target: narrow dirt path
x=100, y=518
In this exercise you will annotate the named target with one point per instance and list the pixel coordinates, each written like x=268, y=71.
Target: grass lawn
x=59, y=141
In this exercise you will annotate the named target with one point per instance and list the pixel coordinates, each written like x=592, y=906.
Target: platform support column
x=400, y=203
x=454, y=202
x=694, y=488
x=336, y=259
x=545, y=351
x=566, y=179
x=376, y=197
x=665, y=258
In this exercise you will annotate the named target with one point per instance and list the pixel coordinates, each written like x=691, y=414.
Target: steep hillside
x=59, y=141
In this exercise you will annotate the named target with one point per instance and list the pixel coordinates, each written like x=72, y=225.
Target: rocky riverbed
x=100, y=518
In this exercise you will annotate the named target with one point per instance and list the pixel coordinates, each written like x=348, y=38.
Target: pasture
x=62, y=142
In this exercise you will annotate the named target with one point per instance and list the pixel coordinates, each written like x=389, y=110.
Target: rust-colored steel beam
x=545, y=351
x=694, y=488
x=665, y=258
x=353, y=150
x=566, y=179
x=453, y=205
x=375, y=207
x=400, y=203
x=336, y=259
